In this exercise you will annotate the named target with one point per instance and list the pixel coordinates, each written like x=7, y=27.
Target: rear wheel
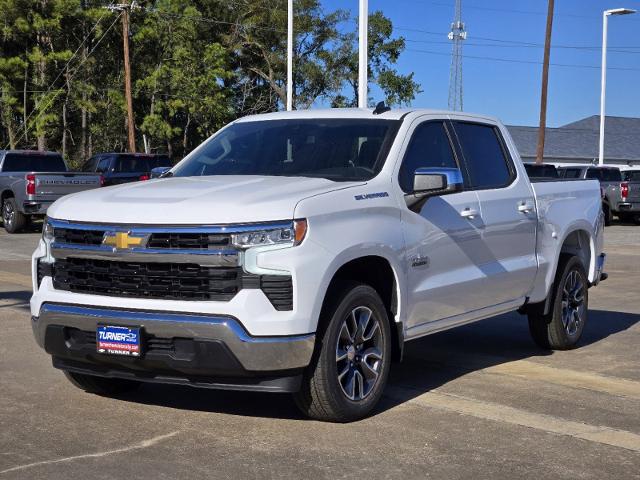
x=101, y=385
x=350, y=367
x=13, y=220
x=562, y=327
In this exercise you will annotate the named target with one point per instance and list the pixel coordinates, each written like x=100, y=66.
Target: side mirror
x=429, y=182
x=159, y=171
x=437, y=181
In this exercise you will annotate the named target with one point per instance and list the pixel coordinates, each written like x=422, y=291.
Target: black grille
x=167, y=281
x=190, y=241
x=170, y=281
x=81, y=237
x=279, y=291
x=44, y=270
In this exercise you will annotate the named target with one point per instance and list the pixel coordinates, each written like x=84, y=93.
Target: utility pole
x=542, y=130
x=363, y=63
x=290, y=55
x=126, y=8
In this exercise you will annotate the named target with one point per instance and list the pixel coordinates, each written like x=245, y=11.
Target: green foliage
x=195, y=67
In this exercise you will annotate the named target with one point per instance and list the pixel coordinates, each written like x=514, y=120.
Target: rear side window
x=484, y=156
x=134, y=164
x=429, y=147
x=33, y=162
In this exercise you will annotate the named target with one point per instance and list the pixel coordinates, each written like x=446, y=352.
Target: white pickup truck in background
x=298, y=252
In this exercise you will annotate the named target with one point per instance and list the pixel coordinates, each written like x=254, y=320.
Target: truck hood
x=194, y=200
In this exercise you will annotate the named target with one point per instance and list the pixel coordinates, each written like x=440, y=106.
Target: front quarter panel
x=349, y=224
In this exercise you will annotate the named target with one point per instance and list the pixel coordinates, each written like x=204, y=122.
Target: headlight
x=292, y=235
x=47, y=231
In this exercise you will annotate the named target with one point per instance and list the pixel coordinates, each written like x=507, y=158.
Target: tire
x=350, y=365
x=608, y=217
x=13, y=220
x=562, y=327
x=101, y=385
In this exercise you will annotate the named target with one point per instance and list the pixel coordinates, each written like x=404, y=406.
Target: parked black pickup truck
x=117, y=168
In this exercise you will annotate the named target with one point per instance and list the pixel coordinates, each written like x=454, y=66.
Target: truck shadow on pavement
x=429, y=363
x=15, y=299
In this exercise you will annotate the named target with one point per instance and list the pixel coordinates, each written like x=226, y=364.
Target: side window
x=484, y=155
x=103, y=164
x=429, y=147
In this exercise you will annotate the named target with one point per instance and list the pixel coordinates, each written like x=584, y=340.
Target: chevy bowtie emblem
x=124, y=240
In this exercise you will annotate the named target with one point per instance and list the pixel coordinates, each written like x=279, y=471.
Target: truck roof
x=29, y=152
x=358, y=113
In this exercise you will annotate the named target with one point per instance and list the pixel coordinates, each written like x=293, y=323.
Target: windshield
x=339, y=150
x=33, y=162
x=632, y=176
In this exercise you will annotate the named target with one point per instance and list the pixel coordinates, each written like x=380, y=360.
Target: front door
x=443, y=236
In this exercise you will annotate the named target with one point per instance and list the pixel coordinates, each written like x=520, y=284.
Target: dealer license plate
x=118, y=340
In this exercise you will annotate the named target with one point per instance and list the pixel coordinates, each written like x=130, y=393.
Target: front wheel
x=562, y=327
x=351, y=364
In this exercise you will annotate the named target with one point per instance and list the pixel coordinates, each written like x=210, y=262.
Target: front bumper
x=200, y=350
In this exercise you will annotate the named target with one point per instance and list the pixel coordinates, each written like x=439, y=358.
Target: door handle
x=525, y=207
x=469, y=213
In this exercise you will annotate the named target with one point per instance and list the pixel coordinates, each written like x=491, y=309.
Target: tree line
x=196, y=65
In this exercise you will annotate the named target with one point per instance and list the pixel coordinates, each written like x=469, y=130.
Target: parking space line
x=569, y=378
x=143, y=444
x=514, y=416
x=536, y=371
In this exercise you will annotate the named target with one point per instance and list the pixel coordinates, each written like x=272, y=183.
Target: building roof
x=579, y=140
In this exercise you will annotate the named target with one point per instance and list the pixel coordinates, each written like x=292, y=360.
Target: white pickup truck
x=298, y=252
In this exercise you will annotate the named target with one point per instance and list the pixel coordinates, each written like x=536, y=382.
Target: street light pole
x=363, y=71
x=603, y=87
x=290, y=55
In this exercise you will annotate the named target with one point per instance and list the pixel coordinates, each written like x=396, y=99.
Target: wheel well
x=378, y=274
x=6, y=194
x=578, y=243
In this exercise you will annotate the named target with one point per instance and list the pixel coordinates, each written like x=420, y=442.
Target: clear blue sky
x=511, y=90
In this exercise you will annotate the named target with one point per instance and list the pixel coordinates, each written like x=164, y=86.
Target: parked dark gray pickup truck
x=30, y=181
x=621, y=197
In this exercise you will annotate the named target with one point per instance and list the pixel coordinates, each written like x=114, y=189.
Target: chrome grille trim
x=209, y=258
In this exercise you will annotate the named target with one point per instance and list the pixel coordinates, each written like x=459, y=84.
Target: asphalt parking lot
x=477, y=402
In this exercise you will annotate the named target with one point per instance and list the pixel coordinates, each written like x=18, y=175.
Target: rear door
x=509, y=220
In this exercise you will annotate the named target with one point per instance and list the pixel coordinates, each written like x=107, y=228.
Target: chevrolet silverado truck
x=30, y=181
x=298, y=252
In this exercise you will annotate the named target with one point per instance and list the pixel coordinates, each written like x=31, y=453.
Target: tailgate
x=634, y=192
x=55, y=185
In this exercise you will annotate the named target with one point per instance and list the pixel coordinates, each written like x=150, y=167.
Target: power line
x=529, y=62
x=25, y=127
